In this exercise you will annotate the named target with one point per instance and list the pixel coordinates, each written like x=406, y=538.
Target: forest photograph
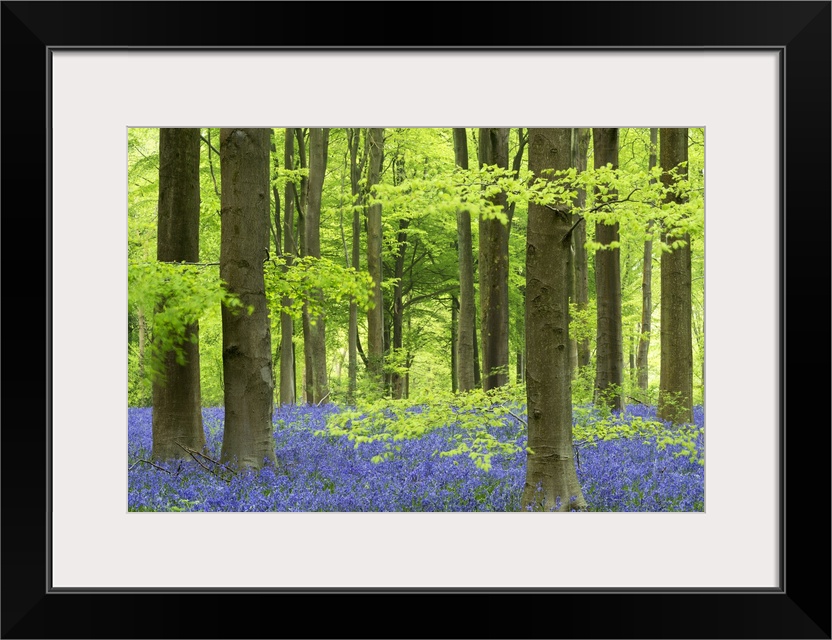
x=416, y=319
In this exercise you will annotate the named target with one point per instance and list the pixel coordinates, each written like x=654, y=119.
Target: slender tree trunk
x=516, y=164
x=177, y=410
x=318, y=146
x=581, y=262
x=302, y=205
x=375, y=316
x=454, y=344
x=275, y=228
x=466, y=326
x=493, y=270
x=646, y=288
x=356, y=171
x=398, y=307
x=571, y=281
x=477, y=376
x=287, y=325
x=247, y=359
x=551, y=477
x=676, y=383
x=609, y=371
x=397, y=375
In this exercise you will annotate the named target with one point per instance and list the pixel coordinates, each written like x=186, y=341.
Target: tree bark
x=375, y=316
x=646, y=288
x=493, y=270
x=551, y=477
x=302, y=204
x=609, y=371
x=318, y=146
x=454, y=344
x=467, y=321
x=287, y=325
x=248, y=439
x=356, y=171
x=177, y=410
x=676, y=383
x=580, y=260
x=398, y=307
x=397, y=375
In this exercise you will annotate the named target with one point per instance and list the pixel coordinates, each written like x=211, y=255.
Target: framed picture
x=77, y=75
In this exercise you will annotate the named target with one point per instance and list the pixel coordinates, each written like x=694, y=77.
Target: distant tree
x=493, y=269
x=580, y=147
x=375, y=317
x=318, y=392
x=516, y=165
x=246, y=335
x=609, y=370
x=398, y=376
x=676, y=382
x=301, y=202
x=646, y=287
x=288, y=391
x=177, y=403
x=467, y=321
x=358, y=200
x=551, y=477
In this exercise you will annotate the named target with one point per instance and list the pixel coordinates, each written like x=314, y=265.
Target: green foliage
x=473, y=416
x=594, y=424
x=583, y=385
x=685, y=438
x=139, y=390
x=469, y=415
x=289, y=287
x=173, y=296
x=583, y=323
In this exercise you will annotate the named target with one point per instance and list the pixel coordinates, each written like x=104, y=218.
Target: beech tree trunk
x=676, y=383
x=398, y=375
x=467, y=321
x=580, y=260
x=287, y=325
x=248, y=439
x=646, y=289
x=318, y=145
x=398, y=308
x=551, y=477
x=454, y=343
x=177, y=403
x=609, y=370
x=493, y=270
x=356, y=171
x=375, y=316
x=302, y=203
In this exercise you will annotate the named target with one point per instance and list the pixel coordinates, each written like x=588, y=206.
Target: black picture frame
x=800, y=608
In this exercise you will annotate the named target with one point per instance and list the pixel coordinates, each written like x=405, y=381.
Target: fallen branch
x=194, y=453
x=130, y=468
x=210, y=459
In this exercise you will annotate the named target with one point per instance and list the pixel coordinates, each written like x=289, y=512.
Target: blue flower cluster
x=331, y=473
